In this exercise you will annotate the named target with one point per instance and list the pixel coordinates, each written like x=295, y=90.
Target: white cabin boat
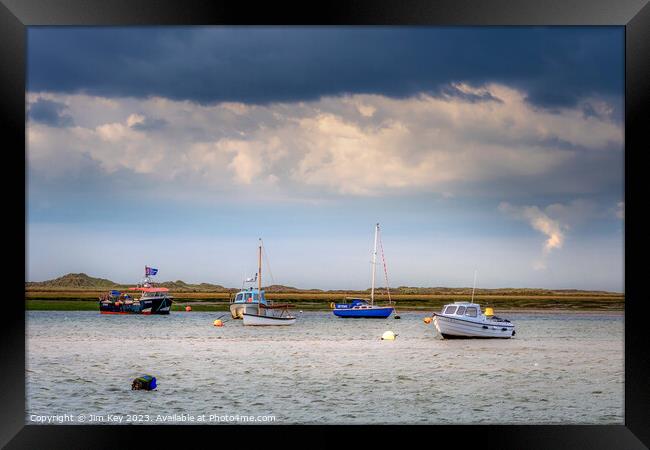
x=465, y=320
x=265, y=313
x=245, y=301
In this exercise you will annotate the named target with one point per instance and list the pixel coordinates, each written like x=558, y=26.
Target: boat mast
x=383, y=260
x=374, y=266
x=259, y=280
x=474, y=287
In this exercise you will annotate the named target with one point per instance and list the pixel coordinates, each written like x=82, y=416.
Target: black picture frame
x=634, y=15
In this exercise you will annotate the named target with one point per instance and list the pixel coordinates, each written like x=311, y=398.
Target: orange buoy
x=188, y=308
x=427, y=320
x=218, y=323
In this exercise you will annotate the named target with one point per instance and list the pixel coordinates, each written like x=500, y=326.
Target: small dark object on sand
x=144, y=383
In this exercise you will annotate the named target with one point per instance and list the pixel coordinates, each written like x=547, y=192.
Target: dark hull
x=157, y=306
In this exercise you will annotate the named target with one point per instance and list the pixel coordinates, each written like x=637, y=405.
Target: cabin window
x=461, y=310
x=238, y=298
x=247, y=296
x=450, y=310
x=471, y=311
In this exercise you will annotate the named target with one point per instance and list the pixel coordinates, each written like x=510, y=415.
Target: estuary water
x=560, y=368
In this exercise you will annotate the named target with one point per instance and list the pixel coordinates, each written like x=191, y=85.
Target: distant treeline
x=82, y=282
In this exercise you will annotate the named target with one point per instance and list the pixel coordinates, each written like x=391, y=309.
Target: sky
x=495, y=150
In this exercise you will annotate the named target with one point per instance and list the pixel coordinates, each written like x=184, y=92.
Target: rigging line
x=266, y=259
x=383, y=260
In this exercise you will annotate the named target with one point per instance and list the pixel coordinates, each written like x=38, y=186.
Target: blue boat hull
x=374, y=313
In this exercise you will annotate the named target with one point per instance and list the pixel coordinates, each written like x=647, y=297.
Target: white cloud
x=540, y=221
x=620, y=210
x=351, y=145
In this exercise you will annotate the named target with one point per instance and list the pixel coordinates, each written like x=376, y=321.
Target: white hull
x=237, y=310
x=255, y=320
x=450, y=327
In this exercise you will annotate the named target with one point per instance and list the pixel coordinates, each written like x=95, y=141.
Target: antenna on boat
x=383, y=260
x=265, y=254
x=259, y=280
x=374, y=267
x=474, y=287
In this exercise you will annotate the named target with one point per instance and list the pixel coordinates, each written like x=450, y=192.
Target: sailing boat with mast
x=267, y=313
x=362, y=308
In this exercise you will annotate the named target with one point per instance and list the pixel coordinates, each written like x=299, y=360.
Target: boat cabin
x=466, y=309
x=149, y=292
x=356, y=303
x=250, y=295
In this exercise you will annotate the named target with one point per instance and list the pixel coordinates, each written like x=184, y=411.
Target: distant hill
x=74, y=281
x=81, y=281
x=181, y=286
x=497, y=291
x=280, y=288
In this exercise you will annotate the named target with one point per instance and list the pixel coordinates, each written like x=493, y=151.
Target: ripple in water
x=560, y=368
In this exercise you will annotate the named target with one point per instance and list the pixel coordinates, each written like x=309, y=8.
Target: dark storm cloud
x=150, y=124
x=453, y=91
x=555, y=66
x=50, y=113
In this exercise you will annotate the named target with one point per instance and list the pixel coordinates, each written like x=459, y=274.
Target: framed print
x=352, y=219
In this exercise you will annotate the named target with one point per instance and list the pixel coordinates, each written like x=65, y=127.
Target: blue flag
x=150, y=271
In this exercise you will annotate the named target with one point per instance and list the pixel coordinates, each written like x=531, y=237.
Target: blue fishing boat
x=360, y=308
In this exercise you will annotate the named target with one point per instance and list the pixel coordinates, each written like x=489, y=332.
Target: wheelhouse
x=462, y=309
x=150, y=293
x=251, y=295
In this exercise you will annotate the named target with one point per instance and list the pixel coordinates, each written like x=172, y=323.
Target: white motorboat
x=266, y=313
x=465, y=320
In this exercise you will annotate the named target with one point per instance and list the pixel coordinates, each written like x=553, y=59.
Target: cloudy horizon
x=493, y=149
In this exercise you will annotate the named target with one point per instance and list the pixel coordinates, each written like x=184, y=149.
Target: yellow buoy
x=388, y=336
x=427, y=320
x=188, y=308
x=218, y=323
x=489, y=312
x=332, y=305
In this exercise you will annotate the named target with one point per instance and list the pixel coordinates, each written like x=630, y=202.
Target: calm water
x=560, y=368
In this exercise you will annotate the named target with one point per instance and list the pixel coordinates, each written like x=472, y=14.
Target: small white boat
x=266, y=313
x=465, y=320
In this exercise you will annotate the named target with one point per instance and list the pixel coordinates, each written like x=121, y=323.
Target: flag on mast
x=148, y=271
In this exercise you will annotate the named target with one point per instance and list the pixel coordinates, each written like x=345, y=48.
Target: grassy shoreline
x=87, y=301
x=78, y=291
